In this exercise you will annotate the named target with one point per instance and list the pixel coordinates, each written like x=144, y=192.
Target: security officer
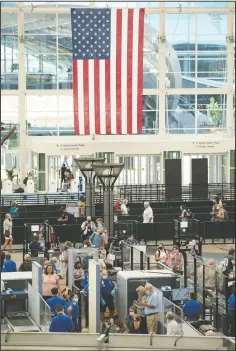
x=61, y=323
x=85, y=292
x=9, y=265
x=54, y=301
x=72, y=310
x=107, y=289
x=192, y=308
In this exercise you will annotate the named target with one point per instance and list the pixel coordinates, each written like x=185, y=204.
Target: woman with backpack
x=161, y=254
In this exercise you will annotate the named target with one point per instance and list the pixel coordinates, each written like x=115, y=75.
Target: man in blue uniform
x=61, y=323
x=192, y=308
x=55, y=300
x=72, y=310
x=107, y=290
x=231, y=312
x=9, y=265
x=85, y=291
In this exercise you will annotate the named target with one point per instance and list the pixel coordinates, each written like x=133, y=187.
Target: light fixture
x=85, y=164
x=108, y=172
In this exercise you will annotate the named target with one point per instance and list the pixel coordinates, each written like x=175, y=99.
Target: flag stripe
x=97, y=96
x=118, y=70
x=81, y=96
x=86, y=97
x=124, y=71
x=135, y=71
x=108, y=100
x=140, y=71
x=113, y=71
x=102, y=97
x=91, y=96
x=75, y=97
x=129, y=70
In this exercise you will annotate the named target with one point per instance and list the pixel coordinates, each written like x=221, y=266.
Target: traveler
x=132, y=240
x=26, y=266
x=50, y=280
x=152, y=309
x=215, y=209
x=119, y=327
x=68, y=246
x=97, y=239
x=46, y=231
x=107, y=291
x=100, y=223
x=55, y=300
x=161, y=254
x=36, y=246
x=9, y=265
x=123, y=208
x=192, y=308
x=66, y=218
x=53, y=263
x=88, y=228
x=82, y=206
x=129, y=321
x=172, y=326
x=28, y=177
x=176, y=260
x=7, y=231
x=139, y=305
x=72, y=310
x=3, y=256
x=221, y=215
x=61, y=323
x=78, y=275
x=117, y=210
x=14, y=210
x=210, y=274
x=231, y=313
x=85, y=292
x=147, y=213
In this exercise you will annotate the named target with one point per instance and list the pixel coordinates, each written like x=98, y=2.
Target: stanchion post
x=185, y=267
x=203, y=292
x=148, y=263
x=217, y=302
x=132, y=258
x=195, y=275
x=122, y=257
x=141, y=260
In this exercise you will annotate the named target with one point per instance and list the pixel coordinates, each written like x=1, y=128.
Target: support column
x=88, y=200
x=230, y=75
x=162, y=76
x=22, y=88
x=93, y=206
x=108, y=210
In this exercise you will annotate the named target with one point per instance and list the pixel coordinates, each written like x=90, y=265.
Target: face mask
x=85, y=245
x=104, y=276
x=131, y=314
x=75, y=299
x=117, y=329
x=89, y=220
x=231, y=276
x=147, y=292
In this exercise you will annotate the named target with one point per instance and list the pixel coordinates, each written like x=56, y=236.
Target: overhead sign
x=66, y=147
x=206, y=144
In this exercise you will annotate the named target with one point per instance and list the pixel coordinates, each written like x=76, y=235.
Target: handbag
x=7, y=233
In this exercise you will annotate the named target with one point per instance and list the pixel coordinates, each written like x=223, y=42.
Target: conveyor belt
x=21, y=322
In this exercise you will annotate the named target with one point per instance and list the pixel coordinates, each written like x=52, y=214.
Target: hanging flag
x=107, y=70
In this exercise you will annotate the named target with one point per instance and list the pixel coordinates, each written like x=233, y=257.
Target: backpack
x=223, y=266
x=159, y=252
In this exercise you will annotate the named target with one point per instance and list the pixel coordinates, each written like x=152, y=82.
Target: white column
x=22, y=87
x=230, y=75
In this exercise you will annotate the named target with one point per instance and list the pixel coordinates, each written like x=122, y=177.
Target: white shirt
x=147, y=214
x=124, y=209
x=2, y=286
x=173, y=328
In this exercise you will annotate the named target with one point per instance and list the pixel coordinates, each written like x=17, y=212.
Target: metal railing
x=160, y=192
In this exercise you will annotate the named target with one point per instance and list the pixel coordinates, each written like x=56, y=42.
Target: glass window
x=9, y=108
x=180, y=114
x=150, y=114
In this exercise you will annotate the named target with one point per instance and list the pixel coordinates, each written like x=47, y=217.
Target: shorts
x=8, y=237
x=109, y=303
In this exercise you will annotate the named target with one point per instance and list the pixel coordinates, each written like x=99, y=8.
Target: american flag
x=107, y=70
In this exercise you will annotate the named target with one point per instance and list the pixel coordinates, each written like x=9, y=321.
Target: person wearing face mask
x=107, y=290
x=119, y=327
x=97, y=239
x=142, y=299
x=78, y=275
x=88, y=228
x=68, y=246
x=26, y=266
x=72, y=310
x=151, y=309
x=176, y=260
x=172, y=326
x=231, y=312
x=61, y=323
x=85, y=292
x=129, y=321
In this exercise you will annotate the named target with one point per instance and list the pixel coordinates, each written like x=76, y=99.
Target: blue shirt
x=192, y=309
x=231, y=302
x=13, y=212
x=9, y=266
x=153, y=300
x=96, y=240
x=75, y=309
x=54, y=301
x=84, y=283
x=61, y=324
x=106, y=286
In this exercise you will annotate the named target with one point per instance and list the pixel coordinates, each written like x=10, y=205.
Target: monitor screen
x=180, y=294
x=35, y=228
